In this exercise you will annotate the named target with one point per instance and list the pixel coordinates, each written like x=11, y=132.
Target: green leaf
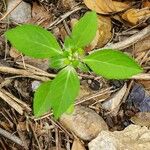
x=68, y=43
x=83, y=67
x=58, y=62
x=70, y=110
x=33, y=41
x=41, y=102
x=64, y=90
x=112, y=64
x=84, y=31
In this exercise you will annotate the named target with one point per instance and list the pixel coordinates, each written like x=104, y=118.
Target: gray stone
x=131, y=138
x=21, y=14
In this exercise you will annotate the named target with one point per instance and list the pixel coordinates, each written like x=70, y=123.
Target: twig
x=10, y=10
x=35, y=136
x=22, y=72
x=142, y=76
x=61, y=18
x=36, y=70
x=11, y=137
x=131, y=40
x=16, y=100
x=11, y=102
x=91, y=96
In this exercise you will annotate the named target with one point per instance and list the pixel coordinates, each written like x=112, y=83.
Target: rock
x=141, y=118
x=131, y=138
x=35, y=84
x=84, y=122
x=21, y=13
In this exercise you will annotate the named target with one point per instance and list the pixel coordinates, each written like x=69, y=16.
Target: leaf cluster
x=60, y=93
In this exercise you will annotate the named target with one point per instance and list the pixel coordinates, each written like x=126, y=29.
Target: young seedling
x=60, y=93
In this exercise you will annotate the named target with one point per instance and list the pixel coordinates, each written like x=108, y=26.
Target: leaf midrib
x=80, y=37
x=110, y=64
x=64, y=88
x=51, y=48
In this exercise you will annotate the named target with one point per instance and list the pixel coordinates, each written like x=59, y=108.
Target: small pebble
x=35, y=85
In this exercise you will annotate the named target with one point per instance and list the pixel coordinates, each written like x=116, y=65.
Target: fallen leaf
x=77, y=145
x=146, y=3
x=134, y=16
x=105, y=6
x=142, y=45
x=104, y=28
x=146, y=84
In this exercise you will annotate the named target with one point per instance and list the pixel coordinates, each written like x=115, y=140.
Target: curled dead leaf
x=143, y=45
x=104, y=29
x=105, y=6
x=134, y=16
x=146, y=3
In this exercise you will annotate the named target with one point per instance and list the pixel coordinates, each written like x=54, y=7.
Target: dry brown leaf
x=146, y=84
x=146, y=3
x=134, y=16
x=143, y=45
x=119, y=6
x=77, y=145
x=105, y=6
x=104, y=28
x=40, y=16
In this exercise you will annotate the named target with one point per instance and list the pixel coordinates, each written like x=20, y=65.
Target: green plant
x=60, y=93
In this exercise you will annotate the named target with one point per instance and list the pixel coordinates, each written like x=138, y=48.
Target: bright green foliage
x=64, y=90
x=84, y=31
x=41, y=99
x=60, y=93
x=58, y=62
x=33, y=41
x=112, y=64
